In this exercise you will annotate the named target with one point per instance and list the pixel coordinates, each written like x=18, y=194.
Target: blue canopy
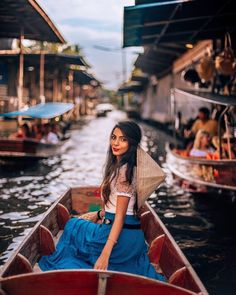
x=42, y=111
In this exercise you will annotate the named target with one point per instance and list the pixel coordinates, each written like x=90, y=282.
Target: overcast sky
x=92, y=23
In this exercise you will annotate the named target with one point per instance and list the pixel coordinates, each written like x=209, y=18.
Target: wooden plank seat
x=56, y=238
x=47, y=245
x=22, y=265
x=182, y=278
x=155, y=249
x=63, y=215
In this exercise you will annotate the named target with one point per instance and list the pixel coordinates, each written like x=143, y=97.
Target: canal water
x=203, y=226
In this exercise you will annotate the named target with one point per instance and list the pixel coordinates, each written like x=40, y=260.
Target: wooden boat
x=12, y=150
x=17, y=151
x=201, y=174
x=21, y=275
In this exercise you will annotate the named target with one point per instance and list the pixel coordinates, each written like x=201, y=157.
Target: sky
x=92, y=23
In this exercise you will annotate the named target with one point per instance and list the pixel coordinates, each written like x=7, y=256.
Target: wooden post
x=227, y=131
x=63, y=89
x=71, y=84
x=41, y=77
x=20, y=72
x=55, y=86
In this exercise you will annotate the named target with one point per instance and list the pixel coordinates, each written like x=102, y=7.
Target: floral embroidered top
x=121, y=187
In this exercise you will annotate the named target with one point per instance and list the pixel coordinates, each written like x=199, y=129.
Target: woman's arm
x=121, y=209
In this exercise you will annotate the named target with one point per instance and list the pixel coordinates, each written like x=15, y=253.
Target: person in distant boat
x=22, y=132
x=37, y=131
x=202, y=145
x=203, y=123
x=49, y=136
x=55, y=129
x=228, y=147
x=118, y=243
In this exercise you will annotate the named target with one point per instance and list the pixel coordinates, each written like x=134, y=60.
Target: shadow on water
x=203, y=226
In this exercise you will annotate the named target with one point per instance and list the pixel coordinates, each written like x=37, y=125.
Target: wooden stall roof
x=137, y=2
x=131, y=86
x=176, y=21
x=50, y=58
x=84, y=78
x=139, y=77
x=158, y=60
x=226, y=100
x=28, y=16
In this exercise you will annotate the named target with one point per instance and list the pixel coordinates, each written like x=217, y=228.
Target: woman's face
x=119, y=143
x=205, y=141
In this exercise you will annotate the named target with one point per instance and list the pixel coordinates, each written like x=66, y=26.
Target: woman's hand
x=102, y=262
x=90, y=216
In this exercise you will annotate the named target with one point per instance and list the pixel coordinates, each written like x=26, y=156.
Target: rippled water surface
x=203, y=226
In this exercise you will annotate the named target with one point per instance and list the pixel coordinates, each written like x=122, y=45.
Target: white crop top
x=121, y=187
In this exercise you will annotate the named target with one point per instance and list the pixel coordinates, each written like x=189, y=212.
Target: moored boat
x=19, y=150
x=12, y=150
x=21, y=275
x=198, y=174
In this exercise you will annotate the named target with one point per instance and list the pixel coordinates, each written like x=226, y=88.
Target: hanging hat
x=149, y=176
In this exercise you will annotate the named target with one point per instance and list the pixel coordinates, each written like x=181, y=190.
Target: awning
x=131, y=86
x=137, y=2
x=43, y=111
x=50, y=58
x=83, y=78
x=158, y=60
x=139, y=76
x=28, y=17
x=226, y=100
x=177, y=21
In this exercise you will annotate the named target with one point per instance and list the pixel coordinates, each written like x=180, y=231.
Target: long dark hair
x=133, y=134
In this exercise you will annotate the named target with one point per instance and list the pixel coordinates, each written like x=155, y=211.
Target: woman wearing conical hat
x=118, y=242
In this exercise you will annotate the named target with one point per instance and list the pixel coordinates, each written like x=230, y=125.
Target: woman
x=23, y=132
x=201, y=146
x=118, y=243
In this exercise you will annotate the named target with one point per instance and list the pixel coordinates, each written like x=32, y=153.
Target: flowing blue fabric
x=82, y=243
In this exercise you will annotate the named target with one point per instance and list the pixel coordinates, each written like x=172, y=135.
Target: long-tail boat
x=204, y=174
x=21, y=150
x=21, y=274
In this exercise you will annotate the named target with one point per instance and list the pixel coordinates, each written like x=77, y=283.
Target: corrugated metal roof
x=177, y=21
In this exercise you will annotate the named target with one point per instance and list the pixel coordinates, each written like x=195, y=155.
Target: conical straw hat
x=149, y=176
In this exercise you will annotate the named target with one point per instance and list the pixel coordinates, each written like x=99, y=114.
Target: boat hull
x=164, y=253
x=202, y=174
x=86, y=282
x=18, y=150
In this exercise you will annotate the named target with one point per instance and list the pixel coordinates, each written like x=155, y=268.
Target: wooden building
x=28, y=78
x=23, y=19
x=175, y=36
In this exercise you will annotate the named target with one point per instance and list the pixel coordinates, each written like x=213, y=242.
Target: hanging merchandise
x=206, y=67
x=191, y=75
x=225, y=62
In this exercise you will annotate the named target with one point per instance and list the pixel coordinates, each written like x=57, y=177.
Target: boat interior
x=164, y=253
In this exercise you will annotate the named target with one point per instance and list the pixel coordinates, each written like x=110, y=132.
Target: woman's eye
x=113, y=137
x=123, y=139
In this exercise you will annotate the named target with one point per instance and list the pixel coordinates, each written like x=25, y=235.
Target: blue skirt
x=83, y=241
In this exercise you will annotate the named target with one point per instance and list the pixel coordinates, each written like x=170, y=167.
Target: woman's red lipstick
x=115, y=150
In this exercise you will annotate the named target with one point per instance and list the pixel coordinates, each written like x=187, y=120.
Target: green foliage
x=37, y=46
